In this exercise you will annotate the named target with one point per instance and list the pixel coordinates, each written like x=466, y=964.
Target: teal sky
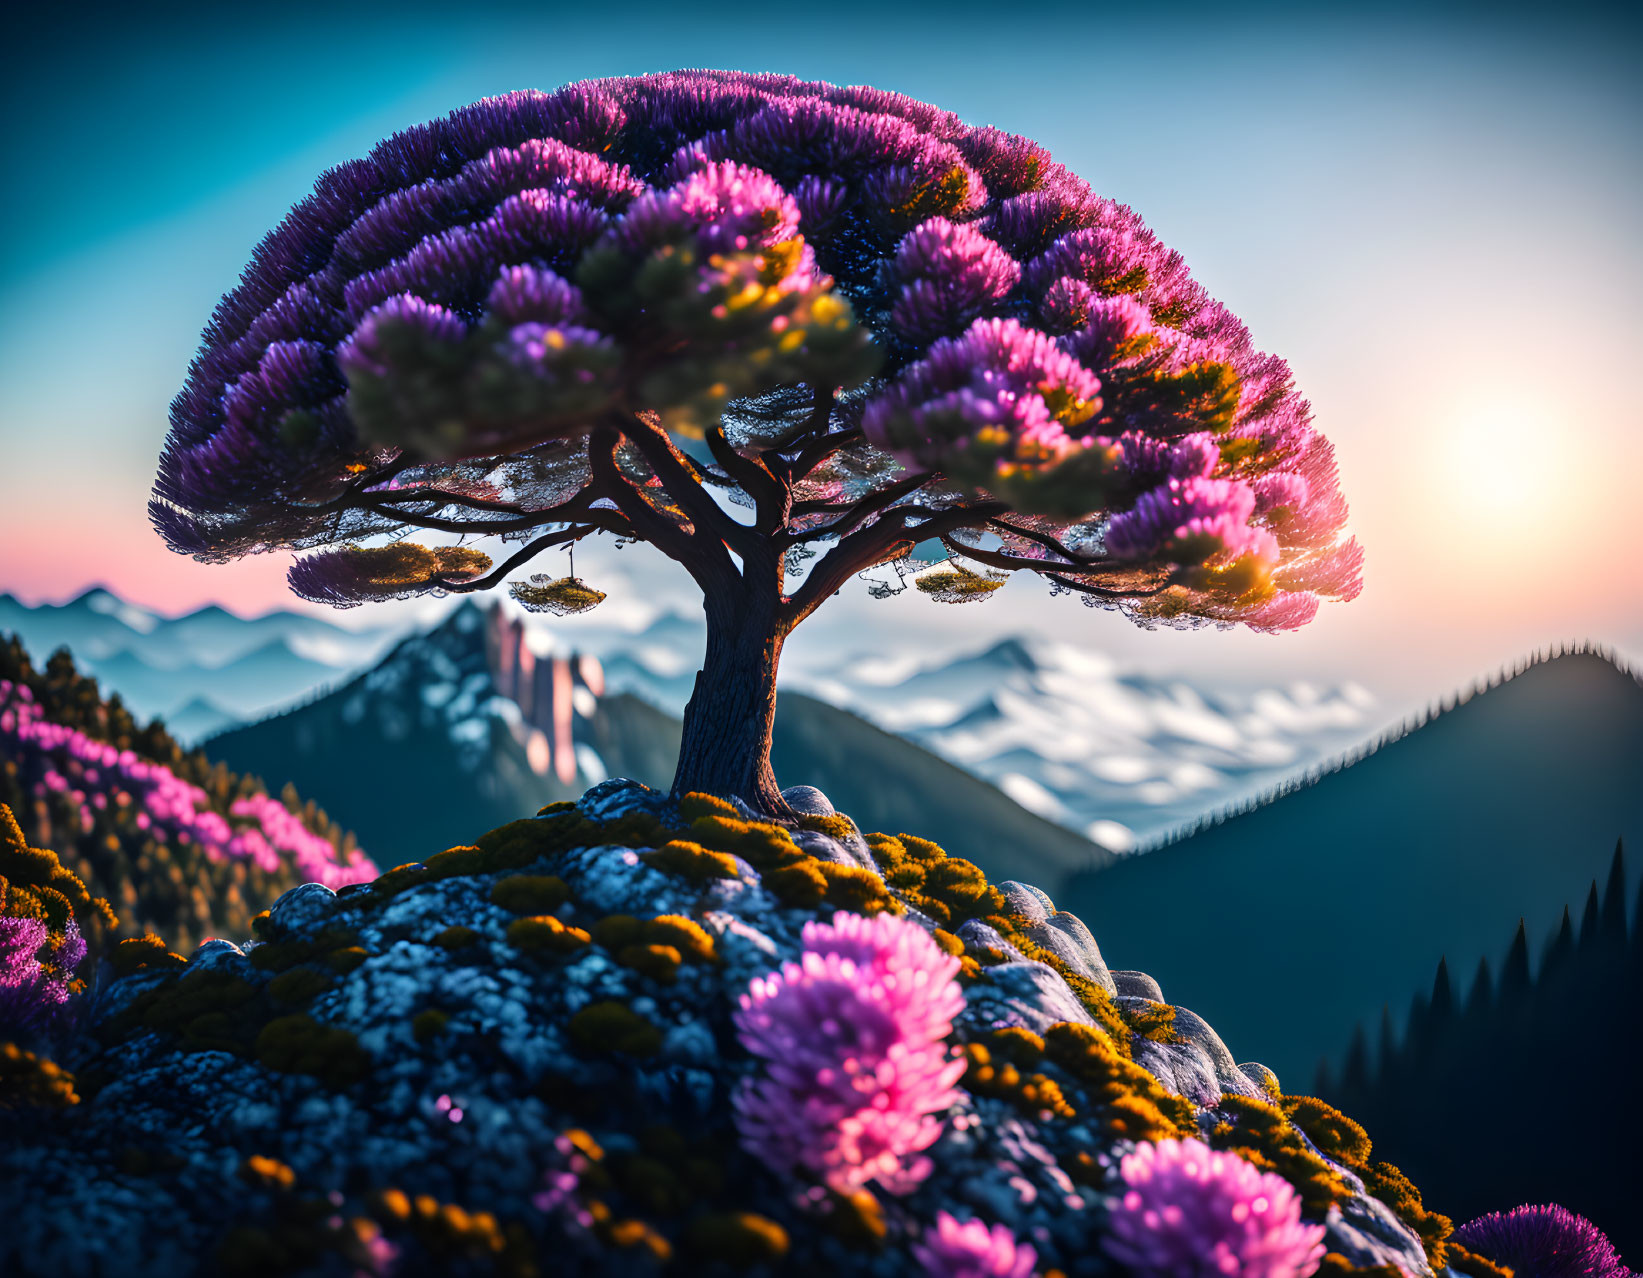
x=1433, y=217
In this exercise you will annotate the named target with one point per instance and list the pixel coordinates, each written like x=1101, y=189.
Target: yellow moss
x=546, y=933
x=530, y=893
x=850, y=887
x=838, y=826
x=759, y=843
x=267, y=1173
x=391, y=1205
x=400, y=878
x=1393, y=1188
x=1335, y=1265
x=696, y=804
x=455, y=863
x=609, y=1026
x=738, y=1238
x=691, y=861
x=688, y=937
x=1017, y=1043
x=1131, y=1101
x=429, y=1023
x=560, y=805
x=456, y=937
x=261, y=928
x=1473, y=1265
x=636, y=1233
x=1152, y=1021
x=278, y=956
x=802, y=885
x=28, y=1081
x=857, y=1219
x=1263, y=1135
x=659, y=962
x=948, y=942
x=141, y=952
x=183, y=1002
x=1034, y=1094
x=1329, y=1129
x=347, y=958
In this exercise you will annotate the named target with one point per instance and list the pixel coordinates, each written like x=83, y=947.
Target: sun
x=1498, y=460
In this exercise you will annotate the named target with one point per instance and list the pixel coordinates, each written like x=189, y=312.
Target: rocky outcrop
x=520, y=1056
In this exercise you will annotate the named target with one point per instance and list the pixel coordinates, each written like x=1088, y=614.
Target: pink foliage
x=1189, y=1211
x=971, y=1250
x=857, y=1067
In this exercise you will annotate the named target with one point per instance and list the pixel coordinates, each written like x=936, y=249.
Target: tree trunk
x=726, y=745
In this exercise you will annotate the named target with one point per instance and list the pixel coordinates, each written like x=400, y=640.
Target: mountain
x=454, y=730
x=1475, y=1050
x=1115, y=755
x=1342, y=893
x=243, y=666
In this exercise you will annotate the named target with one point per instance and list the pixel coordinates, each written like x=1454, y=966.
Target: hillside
x=1473, y=1050
x=1344, y=893
x=177, y=843
x=437, y=740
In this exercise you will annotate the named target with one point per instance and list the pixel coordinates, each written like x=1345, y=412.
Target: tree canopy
x=783, y=331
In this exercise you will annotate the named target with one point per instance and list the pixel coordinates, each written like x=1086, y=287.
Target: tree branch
x=771, y=496
x=866, y=508
x=528, y=551
x=678, y=479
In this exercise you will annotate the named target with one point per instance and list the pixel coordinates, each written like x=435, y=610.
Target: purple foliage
x=36, y=969
x=505, y=275
x=1543, y=1242
x=1189, y=1211
x=857, y=1066
x=93, y=776
x=971, y=1250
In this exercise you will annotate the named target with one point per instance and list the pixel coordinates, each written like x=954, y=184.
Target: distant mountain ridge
x=198, y=671
x=437, y=740
x=1341, y=892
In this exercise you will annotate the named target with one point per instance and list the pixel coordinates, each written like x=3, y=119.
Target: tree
x=784, y=332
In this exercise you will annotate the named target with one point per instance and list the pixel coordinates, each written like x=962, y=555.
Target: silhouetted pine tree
x=1521, y=1098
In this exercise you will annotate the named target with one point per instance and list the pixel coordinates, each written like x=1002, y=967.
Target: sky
x=1432, y=214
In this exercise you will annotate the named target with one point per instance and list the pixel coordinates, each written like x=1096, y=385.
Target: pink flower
x=1189, y=1211
x=857, y=1067
x=971, y=1250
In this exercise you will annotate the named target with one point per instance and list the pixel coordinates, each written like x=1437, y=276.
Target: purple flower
x=971, y=1250
x=949, y=274
x=35, y=973
x=853, y=1037
x=1543, y=1242
x=1189, y=1211
x=1193, y=520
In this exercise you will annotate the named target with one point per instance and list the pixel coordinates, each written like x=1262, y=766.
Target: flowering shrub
x=36, y=973
x=92, y=775
x=1188, y=1210
x=971, y=1250
x=1543, y=1242
x=853, y=1036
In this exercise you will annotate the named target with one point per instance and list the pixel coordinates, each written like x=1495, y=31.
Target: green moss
x=617, y=930
x=429, y=1023
x=299, y=986
x=280, y=956
x=346, y=959
x=456, y=862
x=530, y=893
x=456, y=937
x=298, y=1044
x=738, y=1238
x=609, y=1026
x=545, y=933
x=179, y=1003
x=400, y=879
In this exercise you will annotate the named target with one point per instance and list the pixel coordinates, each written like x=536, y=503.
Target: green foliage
x=609, y=1026
x=530, y=893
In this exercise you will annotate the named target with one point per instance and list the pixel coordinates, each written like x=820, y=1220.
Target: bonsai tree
x=784, y=332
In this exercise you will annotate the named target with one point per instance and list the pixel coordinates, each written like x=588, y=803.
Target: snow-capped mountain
x=1116, y=755
x=201, y=671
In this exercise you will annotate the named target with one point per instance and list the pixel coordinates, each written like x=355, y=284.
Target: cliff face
x=525, y=1056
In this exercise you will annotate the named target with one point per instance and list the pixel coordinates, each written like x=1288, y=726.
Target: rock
x=1184, y=1068
x=617, y=797
x=1026, y=900
x=215, y=952
x=1031, y=995
x=826, y=848
x=978, y=937
x=1193, y=1028
x=807, y=800
x=1137, y=985
x=300, y=908
x=1065, y=936
x=1263, y=1078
